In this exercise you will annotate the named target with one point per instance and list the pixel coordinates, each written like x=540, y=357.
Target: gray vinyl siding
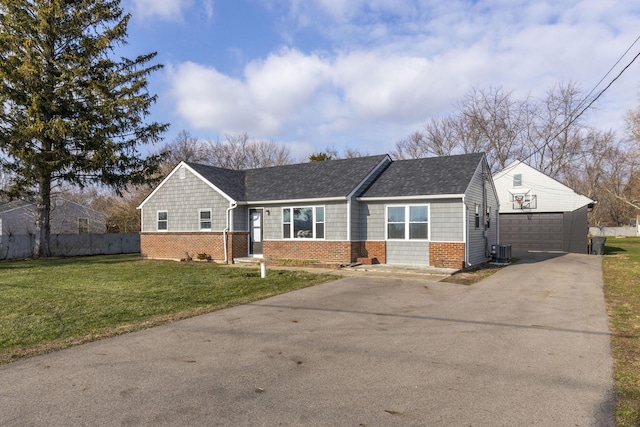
x=478, y=245
x=407, y=252
x=372, y=221
x=447, y=219
x=182, y=199
x=359, y=212
x=241, y=218
x=335, y=220
x=272, y=223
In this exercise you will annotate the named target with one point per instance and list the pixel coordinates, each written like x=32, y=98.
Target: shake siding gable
x=182, y=199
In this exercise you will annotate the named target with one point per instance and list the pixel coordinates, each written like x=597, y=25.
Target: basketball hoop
x=519, y=199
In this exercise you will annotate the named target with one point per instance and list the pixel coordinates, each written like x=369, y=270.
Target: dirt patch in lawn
x=473, y=275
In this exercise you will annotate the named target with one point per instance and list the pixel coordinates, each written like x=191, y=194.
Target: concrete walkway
x=528, y=346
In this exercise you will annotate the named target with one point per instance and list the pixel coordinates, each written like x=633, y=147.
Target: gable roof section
x=334, y=179
x=316, y=180
x=231, y=182
x=552, y=195
x=432, y=176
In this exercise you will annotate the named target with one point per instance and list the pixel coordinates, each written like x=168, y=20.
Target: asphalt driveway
x=528, y=346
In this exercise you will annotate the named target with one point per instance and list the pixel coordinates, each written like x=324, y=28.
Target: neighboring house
x=437, y=211
x=18, y=218
x=539, y=213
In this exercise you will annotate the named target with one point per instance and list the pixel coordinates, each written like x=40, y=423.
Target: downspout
x=465, y=231
x=232, y=206
x=349, y=219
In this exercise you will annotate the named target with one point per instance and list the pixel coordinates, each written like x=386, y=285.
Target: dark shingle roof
x=334, y=178
x=426, y=177
x=232, y=182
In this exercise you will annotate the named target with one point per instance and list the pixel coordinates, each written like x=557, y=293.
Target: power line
x=548, y=141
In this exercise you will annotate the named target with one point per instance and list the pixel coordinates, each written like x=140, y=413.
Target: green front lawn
x=47, y=305
x=621, y=272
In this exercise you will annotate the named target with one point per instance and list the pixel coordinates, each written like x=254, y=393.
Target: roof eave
x=419, y=197
x=307, y=200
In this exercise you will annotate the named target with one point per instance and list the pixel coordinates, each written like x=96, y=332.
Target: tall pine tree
x=70, y=111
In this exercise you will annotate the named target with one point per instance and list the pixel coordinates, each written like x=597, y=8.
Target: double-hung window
x=409, y=222
x=163, y=220
x=205, y=219
x=303, y=222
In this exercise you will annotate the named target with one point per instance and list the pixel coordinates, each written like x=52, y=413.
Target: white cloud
x=395, y=64
x=169, y=10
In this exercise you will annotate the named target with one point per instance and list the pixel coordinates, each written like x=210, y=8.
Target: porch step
x=247, y=260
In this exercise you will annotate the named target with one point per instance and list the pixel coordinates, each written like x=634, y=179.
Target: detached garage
x=538, y=213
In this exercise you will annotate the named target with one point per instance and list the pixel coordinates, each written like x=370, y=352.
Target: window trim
x=477, y=215
x=407, y=221
x=83, y=232
x=200, y=221
x=314, y=226
x=158, y=220
x=517, y=180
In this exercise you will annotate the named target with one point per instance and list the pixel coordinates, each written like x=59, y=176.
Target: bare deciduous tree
x=239, y=152
x=184, y=148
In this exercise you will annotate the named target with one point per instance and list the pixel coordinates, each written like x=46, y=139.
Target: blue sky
x=366, y=73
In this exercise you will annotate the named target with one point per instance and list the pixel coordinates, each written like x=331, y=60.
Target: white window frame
x=200, y=221
x=407, y=222
x=517, y=180
x=158, y=220
x=314, y=226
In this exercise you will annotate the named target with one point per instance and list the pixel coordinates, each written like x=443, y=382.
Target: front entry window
x=303, y=223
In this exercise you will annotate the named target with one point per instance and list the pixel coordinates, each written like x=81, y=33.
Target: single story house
x=539, y=213
x=438, y=211
x=17, y=217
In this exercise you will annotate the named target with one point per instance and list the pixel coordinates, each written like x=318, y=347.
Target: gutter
x=232, y=206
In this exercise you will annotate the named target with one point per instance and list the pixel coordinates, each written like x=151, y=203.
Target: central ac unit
x=501, y=253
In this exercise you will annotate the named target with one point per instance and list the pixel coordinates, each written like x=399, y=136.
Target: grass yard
x=47, y=305
x=621, y=271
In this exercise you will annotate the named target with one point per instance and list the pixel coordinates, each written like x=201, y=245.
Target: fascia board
x=288, y=201
x=400, y=198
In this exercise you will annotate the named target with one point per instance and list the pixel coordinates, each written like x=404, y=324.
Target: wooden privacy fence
x=66, y=245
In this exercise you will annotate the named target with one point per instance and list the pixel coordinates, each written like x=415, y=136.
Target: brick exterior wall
x=318, y=250
x=177, y=245
x=446, y=255
x=371, y=250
